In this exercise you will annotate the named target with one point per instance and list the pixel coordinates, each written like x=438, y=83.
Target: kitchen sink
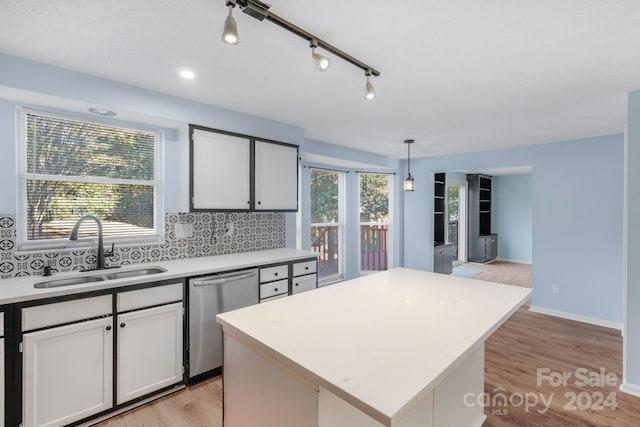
x=68, y=281
x=134, y=273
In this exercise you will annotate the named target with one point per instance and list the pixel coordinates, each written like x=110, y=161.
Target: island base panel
x=458, y=398
x=259, y=393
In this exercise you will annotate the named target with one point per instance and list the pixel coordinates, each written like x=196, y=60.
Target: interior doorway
x=456, y=218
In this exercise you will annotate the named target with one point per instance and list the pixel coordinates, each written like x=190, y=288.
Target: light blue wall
x=576, y=218
x=375, y=163
x=25, y=75
x=511, y=212
x=632, y=303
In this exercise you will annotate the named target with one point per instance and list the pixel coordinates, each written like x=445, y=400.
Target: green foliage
x=67, y=148
x=374, y=197
x=324, y=196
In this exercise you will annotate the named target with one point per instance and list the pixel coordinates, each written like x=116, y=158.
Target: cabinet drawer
x=274, y=288
x=42, y=316
x=272, y=298
x=302, y=268
x=274, y=273
x=304, y=283
x=1, y=324
x=156, y=295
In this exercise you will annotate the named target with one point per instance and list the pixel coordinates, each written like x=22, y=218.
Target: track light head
x=230, y=33
x=369, y=93
x=322, y=62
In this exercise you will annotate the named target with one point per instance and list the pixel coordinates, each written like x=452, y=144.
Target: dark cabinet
x=442, y=259
x=442, y=253
x=483, y=245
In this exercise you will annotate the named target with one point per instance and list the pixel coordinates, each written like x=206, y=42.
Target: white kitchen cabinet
x=276, y=171
x=67, y=373
x=150, y=350
x=220, y=171
x=303, y=284
x=304, y=277
x=237, y=172
x=1, y=369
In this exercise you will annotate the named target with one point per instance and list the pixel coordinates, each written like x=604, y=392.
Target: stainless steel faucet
x=101, y=253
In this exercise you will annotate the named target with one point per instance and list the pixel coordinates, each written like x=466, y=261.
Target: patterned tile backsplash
x=212, y=234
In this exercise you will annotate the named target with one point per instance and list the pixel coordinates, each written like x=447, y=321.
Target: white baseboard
x=480, y=421
x=577, y=317
x=515, y=261
x=629, y=388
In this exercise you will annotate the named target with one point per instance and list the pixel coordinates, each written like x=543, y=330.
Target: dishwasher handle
x=223, y=278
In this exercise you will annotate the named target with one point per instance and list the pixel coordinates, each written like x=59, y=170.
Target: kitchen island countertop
x=381, y=342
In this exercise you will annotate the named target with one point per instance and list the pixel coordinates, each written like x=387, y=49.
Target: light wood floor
x=509, y=273
x=513, y=354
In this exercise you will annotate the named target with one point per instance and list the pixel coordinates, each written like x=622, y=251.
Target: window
x=374, y=221
x=327, y=222
x=68, y=168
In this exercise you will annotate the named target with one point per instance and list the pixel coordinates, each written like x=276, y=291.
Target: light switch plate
x=184, y=231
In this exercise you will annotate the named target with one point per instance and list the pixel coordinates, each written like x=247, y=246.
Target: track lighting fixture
x=409, y=182
x=260, y=11
x=322, y=62
x=230, y=33
x=369, y=93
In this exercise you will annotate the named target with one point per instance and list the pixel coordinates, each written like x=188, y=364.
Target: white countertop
x=381, y=342
x=21, y=288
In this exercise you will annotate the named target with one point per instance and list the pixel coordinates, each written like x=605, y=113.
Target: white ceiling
x=464, y=75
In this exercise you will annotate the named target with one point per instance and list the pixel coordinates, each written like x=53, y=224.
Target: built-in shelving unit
x=442, y=253
x=438, y=208
x=482, y=243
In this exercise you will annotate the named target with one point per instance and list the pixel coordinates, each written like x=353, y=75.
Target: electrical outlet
x=184, y=231
x=230, y=229
x=555, y=289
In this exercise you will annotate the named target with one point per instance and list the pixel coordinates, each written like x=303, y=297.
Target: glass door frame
x=462, y=216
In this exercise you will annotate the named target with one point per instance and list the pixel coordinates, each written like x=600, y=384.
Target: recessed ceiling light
x=186, y=73
x=102, y=111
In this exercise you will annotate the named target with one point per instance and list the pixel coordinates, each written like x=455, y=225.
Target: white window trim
x=23, y=176
x=389, y=223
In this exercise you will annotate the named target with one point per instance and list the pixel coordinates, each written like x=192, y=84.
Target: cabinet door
x=1, y=382
x=149, y=350
x=220, y=171
x=276, y=168
x=303, y=284
x=494, y=246
x=67, y=373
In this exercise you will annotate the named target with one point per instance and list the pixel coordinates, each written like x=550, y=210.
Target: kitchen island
x=397, y=348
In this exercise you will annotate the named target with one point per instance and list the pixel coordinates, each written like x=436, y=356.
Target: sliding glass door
x=455, y=218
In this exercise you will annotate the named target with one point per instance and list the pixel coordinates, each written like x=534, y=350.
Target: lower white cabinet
x=150, y=350
x=1, y=382
x=1, y=370
x=303, y=283
x=67, y=373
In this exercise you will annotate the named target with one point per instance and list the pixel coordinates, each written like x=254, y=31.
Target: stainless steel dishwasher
x=209, y=296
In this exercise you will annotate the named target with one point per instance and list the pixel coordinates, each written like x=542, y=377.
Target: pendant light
x=409, y=182
x=230, y=33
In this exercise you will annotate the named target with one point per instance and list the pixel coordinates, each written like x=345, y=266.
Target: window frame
x=340, y=225
x=23, y=176
x=391, y=186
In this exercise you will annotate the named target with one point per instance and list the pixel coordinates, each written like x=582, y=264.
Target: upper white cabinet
x=276, y=169
x=238, y=172
x=220, y=171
